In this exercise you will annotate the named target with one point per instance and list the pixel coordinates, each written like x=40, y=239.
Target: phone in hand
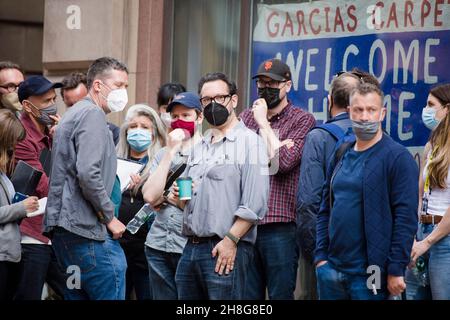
x=19, y=197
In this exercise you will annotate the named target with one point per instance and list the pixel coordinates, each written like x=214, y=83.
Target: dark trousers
x=39, y=265
x=9, y=276
x=275, y=263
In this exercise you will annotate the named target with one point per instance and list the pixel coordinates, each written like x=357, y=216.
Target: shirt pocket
x=221, y=172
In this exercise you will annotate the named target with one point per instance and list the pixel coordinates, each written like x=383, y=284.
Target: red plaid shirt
x=291, y=123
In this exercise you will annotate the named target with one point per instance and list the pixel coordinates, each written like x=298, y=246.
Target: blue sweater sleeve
x=323, y=218
x=404, y=199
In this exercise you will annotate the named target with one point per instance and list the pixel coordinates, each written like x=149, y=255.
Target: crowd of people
x=272, y=193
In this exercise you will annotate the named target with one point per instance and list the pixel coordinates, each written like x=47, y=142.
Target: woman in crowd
x=435, y=187
x=165, y=243
x=11, y=131
x=142, y=135
x=165, y=95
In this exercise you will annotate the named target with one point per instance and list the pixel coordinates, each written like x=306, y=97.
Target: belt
x=430, y=219
x=195, y=239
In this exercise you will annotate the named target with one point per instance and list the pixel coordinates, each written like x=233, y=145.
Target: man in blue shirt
x=368, y=215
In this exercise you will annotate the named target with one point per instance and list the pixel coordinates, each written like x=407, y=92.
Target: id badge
x=425, y=204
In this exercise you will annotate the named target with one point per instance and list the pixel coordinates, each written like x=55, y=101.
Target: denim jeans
x=102, y=265
x=37, y=266
x=439, y=269
x=417, y=288
x=196, y=279
x=335, y=285
x=275, y=263
x=162, y=267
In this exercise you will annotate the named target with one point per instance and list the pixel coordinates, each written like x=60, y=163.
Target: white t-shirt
x=439, y=199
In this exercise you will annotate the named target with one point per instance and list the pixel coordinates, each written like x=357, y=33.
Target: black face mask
x=216, y=114
x=271, y=95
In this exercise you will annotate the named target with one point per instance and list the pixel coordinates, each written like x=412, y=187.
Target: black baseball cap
x=274, y=69
x=35, y=86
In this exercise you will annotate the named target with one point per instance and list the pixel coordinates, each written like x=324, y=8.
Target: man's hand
x=225, y=251
x=396, y=285
x=259, y=110
x=175, y=195
x=116, y=227
x=55, y=118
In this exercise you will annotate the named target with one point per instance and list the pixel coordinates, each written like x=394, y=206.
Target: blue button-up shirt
x=231, y=180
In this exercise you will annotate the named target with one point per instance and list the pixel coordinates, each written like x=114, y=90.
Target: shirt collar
x=32, y=130
x=231, y=135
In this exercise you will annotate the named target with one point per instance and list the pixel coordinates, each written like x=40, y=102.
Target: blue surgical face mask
x=139, y=139
x=429, y=118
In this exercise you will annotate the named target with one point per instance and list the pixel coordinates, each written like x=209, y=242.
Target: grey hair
x=101, y=67
x=158, y=137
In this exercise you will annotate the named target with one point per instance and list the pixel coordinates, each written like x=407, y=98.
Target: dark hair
x=72, y=80
x=341, y=87
x=232, y=89
x=365, y=88
x=10, y=65
x=100, y=67
x=442, y=93
x=167, y=91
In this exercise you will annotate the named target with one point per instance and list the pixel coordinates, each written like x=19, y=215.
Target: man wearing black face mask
x=229, y=170
x=38, y=265
x=283, y=127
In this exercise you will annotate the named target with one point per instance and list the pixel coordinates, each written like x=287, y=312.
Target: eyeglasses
x=271, y=84
x=11, y=87
x=217, y=99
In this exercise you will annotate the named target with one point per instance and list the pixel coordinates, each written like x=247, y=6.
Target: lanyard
x=426, y=186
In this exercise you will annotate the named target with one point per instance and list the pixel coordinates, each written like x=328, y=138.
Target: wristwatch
x=232, y=238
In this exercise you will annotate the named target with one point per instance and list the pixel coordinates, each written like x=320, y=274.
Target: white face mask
x=166, y=119
x=117, y=99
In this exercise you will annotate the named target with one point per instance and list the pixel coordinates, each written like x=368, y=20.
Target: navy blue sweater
x=390, y=198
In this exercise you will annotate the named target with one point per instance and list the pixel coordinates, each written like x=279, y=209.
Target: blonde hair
x=440, y=141
x=11, y=132
x=158, y=137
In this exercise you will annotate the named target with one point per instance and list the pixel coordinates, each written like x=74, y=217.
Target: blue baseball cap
x=187, y=99
x=35, y=86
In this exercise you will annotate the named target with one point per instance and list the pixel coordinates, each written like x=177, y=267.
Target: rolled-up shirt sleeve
x=254, y=184
x=90, y=149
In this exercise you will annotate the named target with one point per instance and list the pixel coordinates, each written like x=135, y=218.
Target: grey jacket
x=10, y=249
x=84, y=166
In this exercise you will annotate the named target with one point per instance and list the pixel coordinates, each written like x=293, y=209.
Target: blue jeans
x=417, y=288
x=439, y=269
x=196, y=279
x=102, y=265
x=161, y=268
x=335, y=285
x=275, y=263
x=37, y=266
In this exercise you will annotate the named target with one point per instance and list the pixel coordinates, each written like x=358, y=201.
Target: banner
x=404, y=44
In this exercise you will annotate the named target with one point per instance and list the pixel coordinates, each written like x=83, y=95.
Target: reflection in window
x=206, y=39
